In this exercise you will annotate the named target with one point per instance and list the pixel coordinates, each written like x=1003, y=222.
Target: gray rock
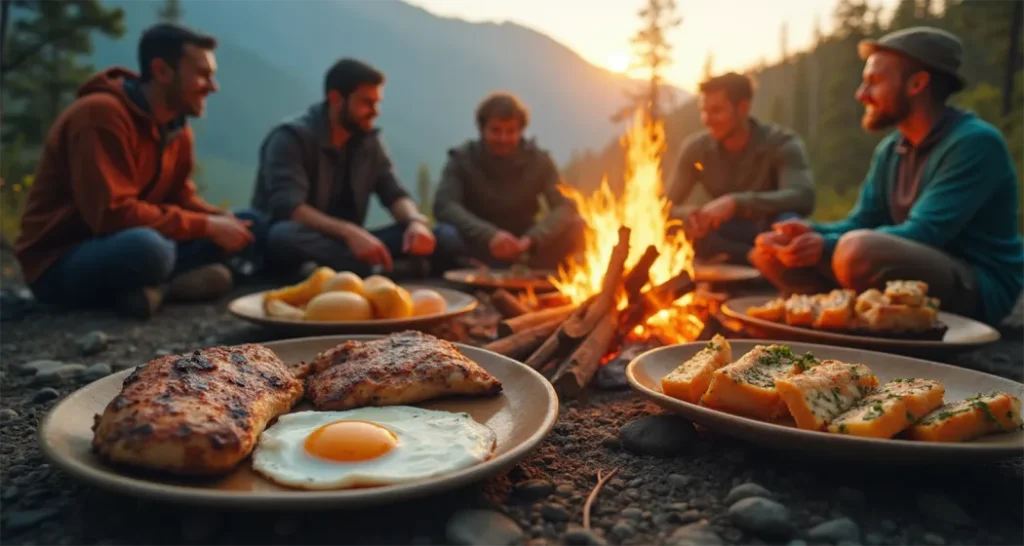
x=632, y=512
x=678, y=481
x=164, y=352
x=7, y=415
x=45, y=395
x=92, y=343
x=696, y=534
x=622, y=530
x=9, y=492
x=615, y=484
x=24, y=519
x=610, y=442
x=38, y=366
x=681, y=506
x=578, y=536
x=732, y=534
x=943, y=508
x=636, y=482
x=612, y=376
x=58, y=376
x=97, y=371
x=852, y=497
x=482, y=527
x=933, y=539
x=689, y=516
x=746, y=490
x=836, y=530
x=554, y=512
x=661, y=435
x=565, y=490
x=761, y=516
x=531, y=490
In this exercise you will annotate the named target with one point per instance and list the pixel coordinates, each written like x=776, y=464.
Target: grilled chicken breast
x=403, y=368
x=196, y=414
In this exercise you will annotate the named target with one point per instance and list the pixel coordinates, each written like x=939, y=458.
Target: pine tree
x=425, y=190
x=652, y=54
x=41, y=69
x=170, y=12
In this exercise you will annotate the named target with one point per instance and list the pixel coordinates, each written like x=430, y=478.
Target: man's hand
x=418, y=240
x=771, y=241
x=368, y=248
x=229, y=232
x=803, y=251
x=717, y=211
x=506, y=247
x=791, y=228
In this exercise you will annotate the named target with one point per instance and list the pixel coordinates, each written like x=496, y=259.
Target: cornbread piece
x=197, y=414
x=774, y=310
x=817, y=396
x=912, y=293
x=898, y=318
x=869, y=298
x=835, y=309
x=690, y=380
x=891, y=409
x=747, y=386
x=800, y=310
x=968, y=419
x=403, y=368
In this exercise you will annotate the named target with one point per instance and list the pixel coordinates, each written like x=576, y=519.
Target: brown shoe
x=140, y=303
x=202, y=283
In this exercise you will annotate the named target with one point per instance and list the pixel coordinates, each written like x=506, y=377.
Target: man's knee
x=856, y=258
x=149, y=253
x=260, y=224
x=449, y=240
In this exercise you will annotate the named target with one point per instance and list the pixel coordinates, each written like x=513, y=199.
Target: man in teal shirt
x=940, y=201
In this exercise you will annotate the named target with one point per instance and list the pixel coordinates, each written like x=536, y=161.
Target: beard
x=349, y=123
x=883, y=119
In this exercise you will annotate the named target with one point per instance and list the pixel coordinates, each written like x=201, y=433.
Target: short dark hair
x=501, y=106
x=940, y=84
x=737, y=87
x=167, y=41
x=348, y=74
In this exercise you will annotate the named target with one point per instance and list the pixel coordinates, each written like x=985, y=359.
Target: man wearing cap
x=939, y=204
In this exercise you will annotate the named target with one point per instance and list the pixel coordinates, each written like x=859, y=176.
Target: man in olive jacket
x=488, y=196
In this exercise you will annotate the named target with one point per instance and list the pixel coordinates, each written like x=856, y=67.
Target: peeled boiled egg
x=369, y=446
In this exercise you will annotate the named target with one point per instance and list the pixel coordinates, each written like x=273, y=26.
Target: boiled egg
x=369, y=446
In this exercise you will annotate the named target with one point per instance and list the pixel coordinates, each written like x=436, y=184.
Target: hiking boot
x=206, y=282
x=140, y=303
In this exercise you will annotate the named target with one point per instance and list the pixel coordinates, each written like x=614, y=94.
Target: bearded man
x=940, y=202
x=316, y=173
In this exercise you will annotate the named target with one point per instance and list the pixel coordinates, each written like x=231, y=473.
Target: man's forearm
x=314, y=219
x=405, y=211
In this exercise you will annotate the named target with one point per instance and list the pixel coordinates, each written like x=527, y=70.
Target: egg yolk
x=347, y=441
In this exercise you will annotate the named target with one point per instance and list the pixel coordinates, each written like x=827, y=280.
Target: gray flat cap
x=935, y=48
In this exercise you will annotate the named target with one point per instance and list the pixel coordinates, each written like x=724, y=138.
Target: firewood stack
x=567, y=343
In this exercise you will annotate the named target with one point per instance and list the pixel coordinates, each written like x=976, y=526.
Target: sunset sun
x=618, y=62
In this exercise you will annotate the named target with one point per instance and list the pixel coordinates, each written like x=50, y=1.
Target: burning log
x=553, y=345
x=520, y=344
x=578, y=326
x=575, y=373
x=651, y=302
x=508, y=305
x=530, y=319
x=552, y=299
x=640, y=275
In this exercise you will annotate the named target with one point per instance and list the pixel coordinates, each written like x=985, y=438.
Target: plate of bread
x=836, y=402
x=901, y=318
x=513, y=278
x=320, y=422
x=330, y=302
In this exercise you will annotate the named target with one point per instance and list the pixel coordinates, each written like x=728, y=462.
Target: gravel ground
x=710, y=490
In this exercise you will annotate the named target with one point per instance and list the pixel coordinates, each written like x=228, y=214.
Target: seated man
x=113, y=214
x=940, y=201
x=488, y=198
x=749, y=174
x=315, y=177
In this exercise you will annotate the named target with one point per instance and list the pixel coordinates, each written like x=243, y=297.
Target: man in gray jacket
x=317, y=172
x=733, y=180
x=488, y=198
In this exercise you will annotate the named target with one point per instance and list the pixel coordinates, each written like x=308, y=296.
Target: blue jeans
x=735, y=238
x=134, y=258
x=290, y=244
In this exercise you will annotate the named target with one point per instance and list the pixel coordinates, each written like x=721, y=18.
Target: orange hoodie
x=104, y=169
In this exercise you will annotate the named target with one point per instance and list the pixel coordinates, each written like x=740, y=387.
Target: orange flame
x=645, y=211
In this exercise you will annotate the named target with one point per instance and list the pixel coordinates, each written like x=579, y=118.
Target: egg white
x=430, y=443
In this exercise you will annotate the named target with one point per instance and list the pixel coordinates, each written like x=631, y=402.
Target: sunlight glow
x=618, y=62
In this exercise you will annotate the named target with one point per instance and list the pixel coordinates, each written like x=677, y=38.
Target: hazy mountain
x=273, y=55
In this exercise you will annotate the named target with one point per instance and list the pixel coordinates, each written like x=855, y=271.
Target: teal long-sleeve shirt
x=968, y=206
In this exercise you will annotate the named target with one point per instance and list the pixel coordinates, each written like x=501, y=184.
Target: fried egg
x=369, y=446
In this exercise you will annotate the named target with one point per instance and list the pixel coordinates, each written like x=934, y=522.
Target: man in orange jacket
x=113, y=215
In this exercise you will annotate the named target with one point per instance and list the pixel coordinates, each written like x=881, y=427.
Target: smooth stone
x=482, y=527
x=39, y=366
x=700, y=534
x=943, y=508
x=612, y=376
x=531, y=490
x=632, y=512
x=661, y=435
x=746, y=490
x=7, y=415
x=97, y=371
x=622, y=530
x=92, y=343
x=761, y=516
x=58, y=376
x=933, y=539
x=836, y=530
x=611, y=442
x=554, y=512
x=578, y=536
x=45, y=395
x=689, y=516
x=678, y=481
x=565, y=490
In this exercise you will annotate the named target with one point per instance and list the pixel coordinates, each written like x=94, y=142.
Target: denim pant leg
x=200, y=252
x=290, y=244
x=95, y=270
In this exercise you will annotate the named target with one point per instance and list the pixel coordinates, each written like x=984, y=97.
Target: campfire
x=632, y=284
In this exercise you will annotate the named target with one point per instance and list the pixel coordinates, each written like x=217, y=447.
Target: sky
x=737, y=32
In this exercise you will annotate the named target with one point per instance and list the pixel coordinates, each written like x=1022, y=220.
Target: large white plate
x=521, y=416
x=645, y=372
